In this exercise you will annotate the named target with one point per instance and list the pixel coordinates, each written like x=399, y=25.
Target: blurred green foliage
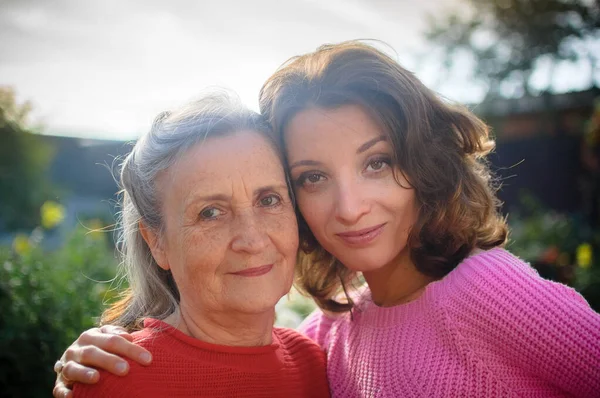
x=47, y=300
x=24, y=161
x=292, y=309
x=562, y=247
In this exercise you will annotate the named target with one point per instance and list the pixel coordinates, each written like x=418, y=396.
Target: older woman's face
x=230, y=236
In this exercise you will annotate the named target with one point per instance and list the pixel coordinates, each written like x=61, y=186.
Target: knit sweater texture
x=292, y=366
x=491, y=328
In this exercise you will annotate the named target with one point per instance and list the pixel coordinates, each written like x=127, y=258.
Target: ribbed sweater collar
x=370, y=315
x=253, y=359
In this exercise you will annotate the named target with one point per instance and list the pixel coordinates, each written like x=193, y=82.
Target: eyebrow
x=278, y=187
x=304, y=163
x=224, y=198
x=210, y=198
x=370, y=143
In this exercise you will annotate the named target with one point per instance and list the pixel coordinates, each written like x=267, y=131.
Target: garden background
x=58, y=197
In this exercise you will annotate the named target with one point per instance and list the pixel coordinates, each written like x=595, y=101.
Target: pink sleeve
x=502, y=306
x=316, y=326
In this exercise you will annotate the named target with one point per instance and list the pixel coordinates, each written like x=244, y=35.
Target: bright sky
x=104, y=69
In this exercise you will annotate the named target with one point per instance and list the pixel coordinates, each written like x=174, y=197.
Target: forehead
x=318, y=127
x=246, y=155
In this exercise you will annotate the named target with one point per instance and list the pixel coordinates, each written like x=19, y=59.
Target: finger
x=100, y=346
x=98, y=358
x=118, y=330
x=60, y=391
x=72, y=372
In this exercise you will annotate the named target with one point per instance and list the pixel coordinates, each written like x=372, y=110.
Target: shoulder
x=494, y=263
x=295, y=341
x=301, y=349
x=305, y=359
x=498, y=273
x=496, y=290
x=317, y=326
x=499, y=305
x=110, y=385
x=138, y=377
x=151, y=336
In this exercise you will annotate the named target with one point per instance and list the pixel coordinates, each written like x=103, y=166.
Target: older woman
x=391, y=183
x=210, y=242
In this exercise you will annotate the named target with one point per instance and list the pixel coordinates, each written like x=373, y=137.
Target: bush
x=562, y=247
x=47, y=300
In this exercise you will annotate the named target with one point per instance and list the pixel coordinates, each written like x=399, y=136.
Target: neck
x=225, y=328
x=397, y=282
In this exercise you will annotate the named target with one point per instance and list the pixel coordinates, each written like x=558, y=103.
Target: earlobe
x=155, y=244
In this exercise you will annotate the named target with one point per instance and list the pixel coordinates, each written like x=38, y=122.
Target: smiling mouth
x=255, y=271
x=361, y=237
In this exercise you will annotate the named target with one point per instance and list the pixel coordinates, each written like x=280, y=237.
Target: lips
x=362, y=237
x=255, y=271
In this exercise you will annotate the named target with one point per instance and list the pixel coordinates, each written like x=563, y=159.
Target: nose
x=351, y=203
x=249, y=236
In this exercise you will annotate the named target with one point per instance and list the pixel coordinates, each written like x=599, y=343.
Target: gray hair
x=152, y=290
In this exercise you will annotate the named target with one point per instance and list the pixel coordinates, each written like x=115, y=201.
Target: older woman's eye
x=210, y=213
x=270, y=200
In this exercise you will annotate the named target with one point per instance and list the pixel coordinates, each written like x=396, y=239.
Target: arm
x=543, y=327
x=97, y=348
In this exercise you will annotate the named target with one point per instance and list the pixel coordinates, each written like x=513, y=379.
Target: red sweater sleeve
x=112, y=386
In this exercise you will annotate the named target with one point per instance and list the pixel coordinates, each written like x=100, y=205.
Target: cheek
x=283, y=230
x=202, y=252
x=407, y=210
x=314, y=212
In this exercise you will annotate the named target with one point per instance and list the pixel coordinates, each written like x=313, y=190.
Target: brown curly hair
x=439, y=147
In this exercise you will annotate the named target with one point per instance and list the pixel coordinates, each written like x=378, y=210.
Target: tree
x=510, y=39
x=24, y=159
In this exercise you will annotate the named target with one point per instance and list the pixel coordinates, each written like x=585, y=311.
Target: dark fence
x=546, y=167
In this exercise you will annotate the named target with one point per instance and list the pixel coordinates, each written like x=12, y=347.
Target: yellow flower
x=584, y=255
x=21, y=244
x=52, y=214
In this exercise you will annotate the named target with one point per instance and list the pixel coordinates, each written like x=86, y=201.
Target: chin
x=258, y=303
x=366, y=262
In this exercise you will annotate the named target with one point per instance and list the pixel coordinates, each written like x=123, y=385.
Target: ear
x=155, y=244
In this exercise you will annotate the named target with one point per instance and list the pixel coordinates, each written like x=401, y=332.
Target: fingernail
x=121, y=367
x=145, y=357
x=90, y=375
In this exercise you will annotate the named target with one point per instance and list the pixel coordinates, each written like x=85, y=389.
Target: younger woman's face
x=347, y=190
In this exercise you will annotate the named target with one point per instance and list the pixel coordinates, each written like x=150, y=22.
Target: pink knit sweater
x=490, y=328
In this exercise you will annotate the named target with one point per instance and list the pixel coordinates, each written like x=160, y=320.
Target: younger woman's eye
x=210, y=213
x=378, y=164
x=309, y=178
x=270, y=200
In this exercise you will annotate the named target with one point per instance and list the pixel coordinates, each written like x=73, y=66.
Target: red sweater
x=182, y=366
